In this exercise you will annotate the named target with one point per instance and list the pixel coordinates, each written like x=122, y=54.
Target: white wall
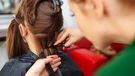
x=4, y=23
x=69, y=21
x=3, y=54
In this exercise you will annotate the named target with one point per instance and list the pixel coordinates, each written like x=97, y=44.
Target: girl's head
x=105, y=21
x=35, y=20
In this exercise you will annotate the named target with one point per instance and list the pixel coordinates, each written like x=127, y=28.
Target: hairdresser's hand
x=38, y=68
x=69, y=36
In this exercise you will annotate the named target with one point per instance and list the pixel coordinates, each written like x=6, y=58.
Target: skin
x=38, y=69
x=72, y=35
x=100, y=24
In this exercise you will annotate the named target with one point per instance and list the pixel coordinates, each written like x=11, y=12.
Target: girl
x=31, y=36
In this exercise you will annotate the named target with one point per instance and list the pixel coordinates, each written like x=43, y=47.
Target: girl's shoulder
x=18, y=66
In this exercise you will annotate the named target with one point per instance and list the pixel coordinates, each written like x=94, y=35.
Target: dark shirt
x=20, y=65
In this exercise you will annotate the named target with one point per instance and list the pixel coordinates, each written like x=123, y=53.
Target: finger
x=55, y=69
x=60, y=35
x=45, y=60
x=56, y=65
x=53, y=56
x=55, y=61
x=68, y=43
x=64, y=36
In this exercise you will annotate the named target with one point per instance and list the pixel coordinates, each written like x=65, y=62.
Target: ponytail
x=15, y=43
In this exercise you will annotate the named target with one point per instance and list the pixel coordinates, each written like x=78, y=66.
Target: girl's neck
x=35, y=46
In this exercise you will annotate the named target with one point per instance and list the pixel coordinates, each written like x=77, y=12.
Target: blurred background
x=85, y=56
x=6, y=15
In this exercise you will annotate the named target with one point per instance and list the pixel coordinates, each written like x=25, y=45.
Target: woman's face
x=95, y=22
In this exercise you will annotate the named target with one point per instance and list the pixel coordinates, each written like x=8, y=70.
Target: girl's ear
x=23, y=30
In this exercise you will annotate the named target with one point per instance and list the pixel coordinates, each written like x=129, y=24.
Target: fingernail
x=59, y=58
x=55, y=43
x=66, y=46
x=59, y=63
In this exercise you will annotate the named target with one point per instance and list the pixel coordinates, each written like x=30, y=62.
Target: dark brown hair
x=43, y=19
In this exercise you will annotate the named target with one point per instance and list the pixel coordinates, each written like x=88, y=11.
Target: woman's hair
x=42, y=17
x=127, y=3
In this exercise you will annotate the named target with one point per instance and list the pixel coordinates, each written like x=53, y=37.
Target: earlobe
x=23, y=30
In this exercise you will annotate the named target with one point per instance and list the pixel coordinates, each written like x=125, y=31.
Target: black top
x=20, y=65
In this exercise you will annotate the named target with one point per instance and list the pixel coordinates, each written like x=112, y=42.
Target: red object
x=118, y=47
x=86, y=60
x=84, y=43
